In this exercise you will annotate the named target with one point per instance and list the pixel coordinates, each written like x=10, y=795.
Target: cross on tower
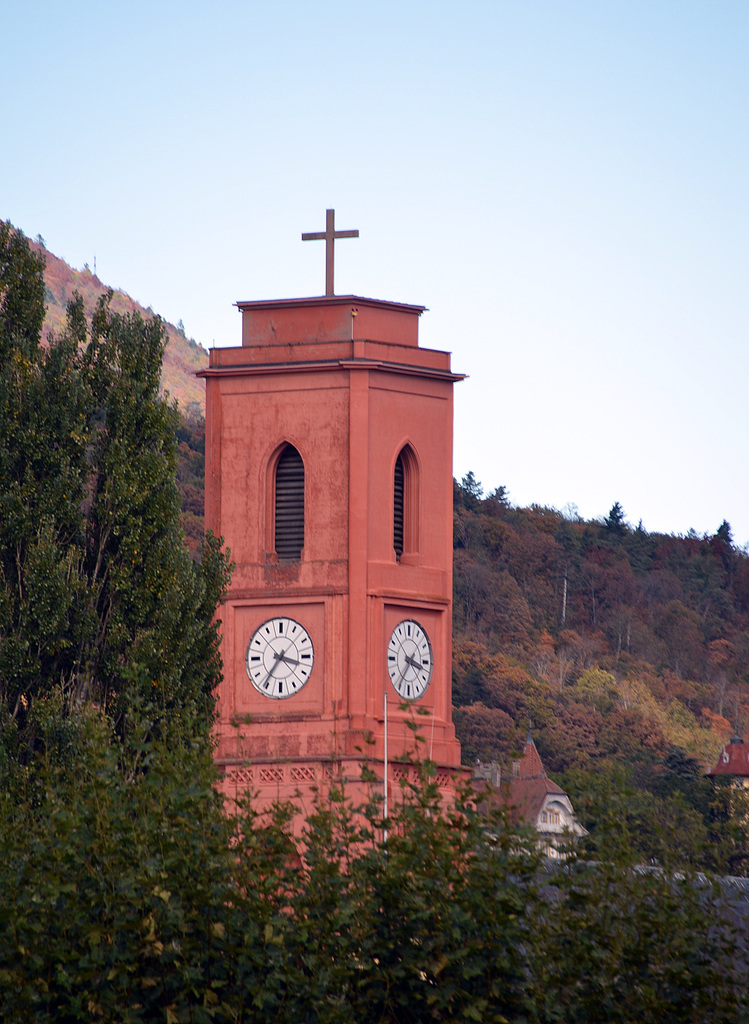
x=329, y=234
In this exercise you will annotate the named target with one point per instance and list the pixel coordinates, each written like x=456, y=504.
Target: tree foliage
x=137, y=898
x=623, y=650
x=99, y=599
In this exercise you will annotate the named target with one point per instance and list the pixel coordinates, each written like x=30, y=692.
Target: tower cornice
x=312, y=301
x=325, y=365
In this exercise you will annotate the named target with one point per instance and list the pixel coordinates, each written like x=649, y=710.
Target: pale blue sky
x=563, y=184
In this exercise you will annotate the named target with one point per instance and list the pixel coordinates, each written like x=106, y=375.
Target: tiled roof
x=530, y=765
x=529, y=792
x=733, y=760
x=529, y=786
x=526, y=797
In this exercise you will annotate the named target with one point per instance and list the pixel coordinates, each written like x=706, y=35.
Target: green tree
x=627, y=944
x=615, y=522
x=21, y=293
x=116, y=888
x=45, y=414
x=99, y=598
x=139, y=899
x=470, y=490
x=157, y=605
x=724, y=533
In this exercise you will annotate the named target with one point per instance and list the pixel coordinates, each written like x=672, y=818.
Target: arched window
x=289, y=507
x=405, y=505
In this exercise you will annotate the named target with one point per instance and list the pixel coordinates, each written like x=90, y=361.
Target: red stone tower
x=329, y=475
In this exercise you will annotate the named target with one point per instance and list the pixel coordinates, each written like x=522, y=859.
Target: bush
x=130, y=895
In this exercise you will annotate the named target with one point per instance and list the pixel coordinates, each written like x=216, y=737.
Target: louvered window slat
x=398, y=508
x=290, y=506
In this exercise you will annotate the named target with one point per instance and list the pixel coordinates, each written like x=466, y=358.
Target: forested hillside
x=626, y=651
x=616, y=645
x=191, y=476
x=591, y=628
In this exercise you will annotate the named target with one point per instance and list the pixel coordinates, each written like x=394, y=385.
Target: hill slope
x=183, y=356
x=628, y=654
x=597, y=634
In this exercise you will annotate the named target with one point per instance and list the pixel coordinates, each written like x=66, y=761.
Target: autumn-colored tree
x=679, y=628
x=664, y=616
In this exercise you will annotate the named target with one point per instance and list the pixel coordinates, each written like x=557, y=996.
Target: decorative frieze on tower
x=329, y=475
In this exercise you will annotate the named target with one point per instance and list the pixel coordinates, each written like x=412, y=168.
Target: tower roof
x=527, y=797
x=530, y=765
x=530, y=785
x=529, y=792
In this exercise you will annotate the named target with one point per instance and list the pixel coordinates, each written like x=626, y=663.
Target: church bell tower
x=329, y=475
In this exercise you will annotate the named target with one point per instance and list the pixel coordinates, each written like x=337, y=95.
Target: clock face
x=409, y=658
x=279, y=658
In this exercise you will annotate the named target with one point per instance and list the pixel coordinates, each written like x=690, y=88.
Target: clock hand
x=265, y=681
x=278, y=656
x=287, y=661
x=412, y=663
x=281, y=656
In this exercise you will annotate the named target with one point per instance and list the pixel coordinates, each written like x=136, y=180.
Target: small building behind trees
x=733, y=763
x=532, y=798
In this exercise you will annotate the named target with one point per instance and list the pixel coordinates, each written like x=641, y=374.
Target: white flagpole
x=385, y=779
